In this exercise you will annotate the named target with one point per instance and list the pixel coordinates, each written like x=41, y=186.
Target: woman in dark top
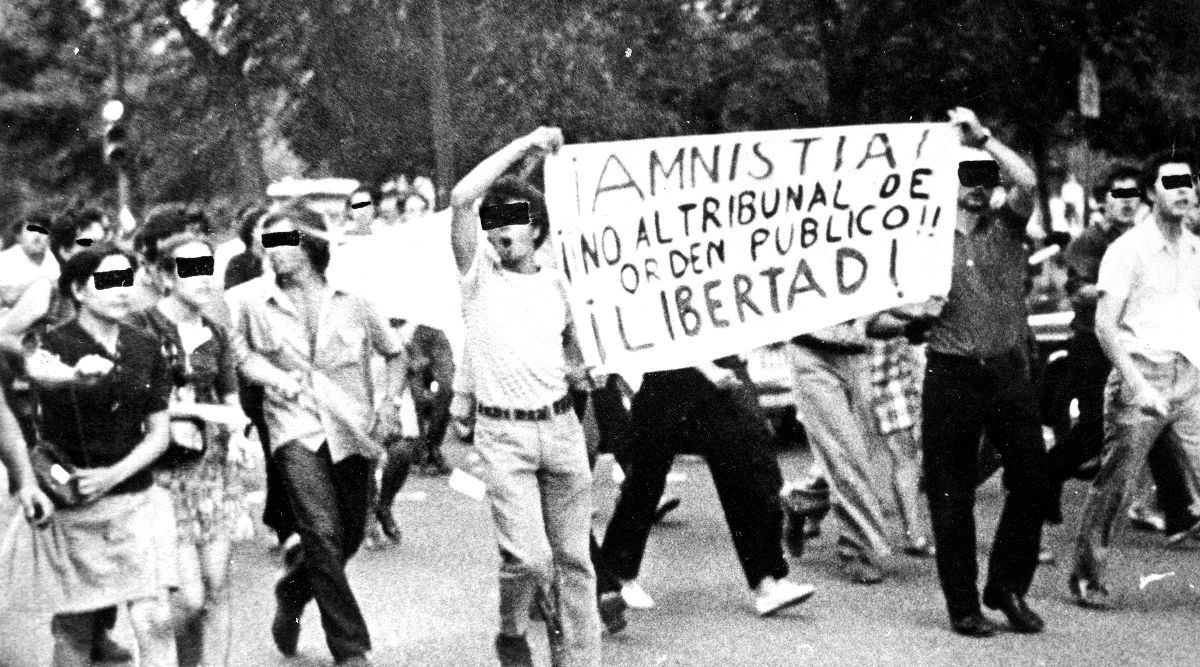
x=102, y=389
x=248, y=264
x=207, y=497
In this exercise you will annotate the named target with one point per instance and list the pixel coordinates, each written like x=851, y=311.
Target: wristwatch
x=982, y=140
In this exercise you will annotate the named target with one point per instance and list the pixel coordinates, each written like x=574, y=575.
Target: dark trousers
x=330, y=504
x=1089, y=370
x=277, y=513
x=433, y=410
x=680, y=411
x=606, y=581
x=963, y=399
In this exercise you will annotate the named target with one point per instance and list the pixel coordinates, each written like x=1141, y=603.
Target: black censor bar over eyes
x=1175, y=182
x=360, y=204
x=37, y=228
x=1125, y=193
x=187, y=267
x=976, y=173
x=503, y=215
x=272, y=239
x=109, y=279
x=84, y=242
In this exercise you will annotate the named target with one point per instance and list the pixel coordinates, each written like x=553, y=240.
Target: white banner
x=685, y=249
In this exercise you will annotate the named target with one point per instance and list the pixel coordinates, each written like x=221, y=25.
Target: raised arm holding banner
x=685, y=249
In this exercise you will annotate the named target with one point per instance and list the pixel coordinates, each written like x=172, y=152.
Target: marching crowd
x=129, y=366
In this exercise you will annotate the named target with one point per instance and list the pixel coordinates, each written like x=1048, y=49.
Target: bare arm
x=1020, y=196
x=464, y=234
x=1141, y=393
x=95, y=482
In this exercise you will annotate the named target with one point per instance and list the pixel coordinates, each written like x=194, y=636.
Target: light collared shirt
x=337, y=404
x=1159, y=282
x=515, y=328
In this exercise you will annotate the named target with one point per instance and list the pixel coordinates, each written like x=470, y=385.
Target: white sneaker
x=635, y=597
x=775, y=596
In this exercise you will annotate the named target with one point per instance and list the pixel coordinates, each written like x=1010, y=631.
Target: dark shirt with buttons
x=112, y=413
x=985, y=314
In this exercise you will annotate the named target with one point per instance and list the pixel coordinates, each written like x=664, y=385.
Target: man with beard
x=978, y=381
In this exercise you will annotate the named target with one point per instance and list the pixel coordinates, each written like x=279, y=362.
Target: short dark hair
x=165, y=221
x=370, y=193
x=306, y=220
x=248, y=219
x=76, y=271
x=1121, y=172
x=68, y=224
x=166, y=249
x=507, y=188
x=1171, y=155
x=40, y=218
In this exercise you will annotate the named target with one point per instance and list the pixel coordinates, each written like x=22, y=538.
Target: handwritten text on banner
x=681, y=250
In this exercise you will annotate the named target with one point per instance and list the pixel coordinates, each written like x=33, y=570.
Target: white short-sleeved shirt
x=515, y=326
x=1159, y=282
x=18, y=272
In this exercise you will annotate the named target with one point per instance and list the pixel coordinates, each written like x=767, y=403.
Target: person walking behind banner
x=102, y=388
x=895, y=398
x=711, y=411
x=1146, y=321
x=206, y=491
x=978, y=381
x=829, y=380
x=310, y=345
x=521, y=338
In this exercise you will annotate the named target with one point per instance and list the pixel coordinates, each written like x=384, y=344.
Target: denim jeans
x=1129, y=434
x=539, y=487
x=330, y=503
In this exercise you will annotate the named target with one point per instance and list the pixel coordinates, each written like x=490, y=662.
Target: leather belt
x=538, y=415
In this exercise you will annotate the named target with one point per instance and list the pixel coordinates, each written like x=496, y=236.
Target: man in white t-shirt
x=520, y=337
x=27, y=260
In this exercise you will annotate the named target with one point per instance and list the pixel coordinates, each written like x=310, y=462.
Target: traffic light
x=116, y=152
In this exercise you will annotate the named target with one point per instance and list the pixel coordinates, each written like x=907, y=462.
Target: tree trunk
x=251, y=176
x=439, y=106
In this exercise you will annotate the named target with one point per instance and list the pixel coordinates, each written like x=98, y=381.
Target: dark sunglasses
x=978, y=173
x=503, y=215
x=273, y=239
x=110, y=279
x=187, y=267
x=1176, y=182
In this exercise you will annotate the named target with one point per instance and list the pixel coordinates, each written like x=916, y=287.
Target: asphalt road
x=432, y=600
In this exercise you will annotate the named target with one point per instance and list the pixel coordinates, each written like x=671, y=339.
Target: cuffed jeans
x=681, y=411
x=963, y=399
x=539, y=486
x=1129, y=435
x=830, y=392
x=329, y=502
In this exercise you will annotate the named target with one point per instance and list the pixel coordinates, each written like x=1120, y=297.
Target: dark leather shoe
x=612, y=611
x=105, y=650
x=513, y=651
x=1088, y=593
x=974, y=625
x=285, y=630
x=1020, y=617
x=387, y=523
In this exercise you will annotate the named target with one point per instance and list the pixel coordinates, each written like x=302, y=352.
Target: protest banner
x=685, y=249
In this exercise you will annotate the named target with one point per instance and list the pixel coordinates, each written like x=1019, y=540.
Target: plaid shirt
x=895, y=385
